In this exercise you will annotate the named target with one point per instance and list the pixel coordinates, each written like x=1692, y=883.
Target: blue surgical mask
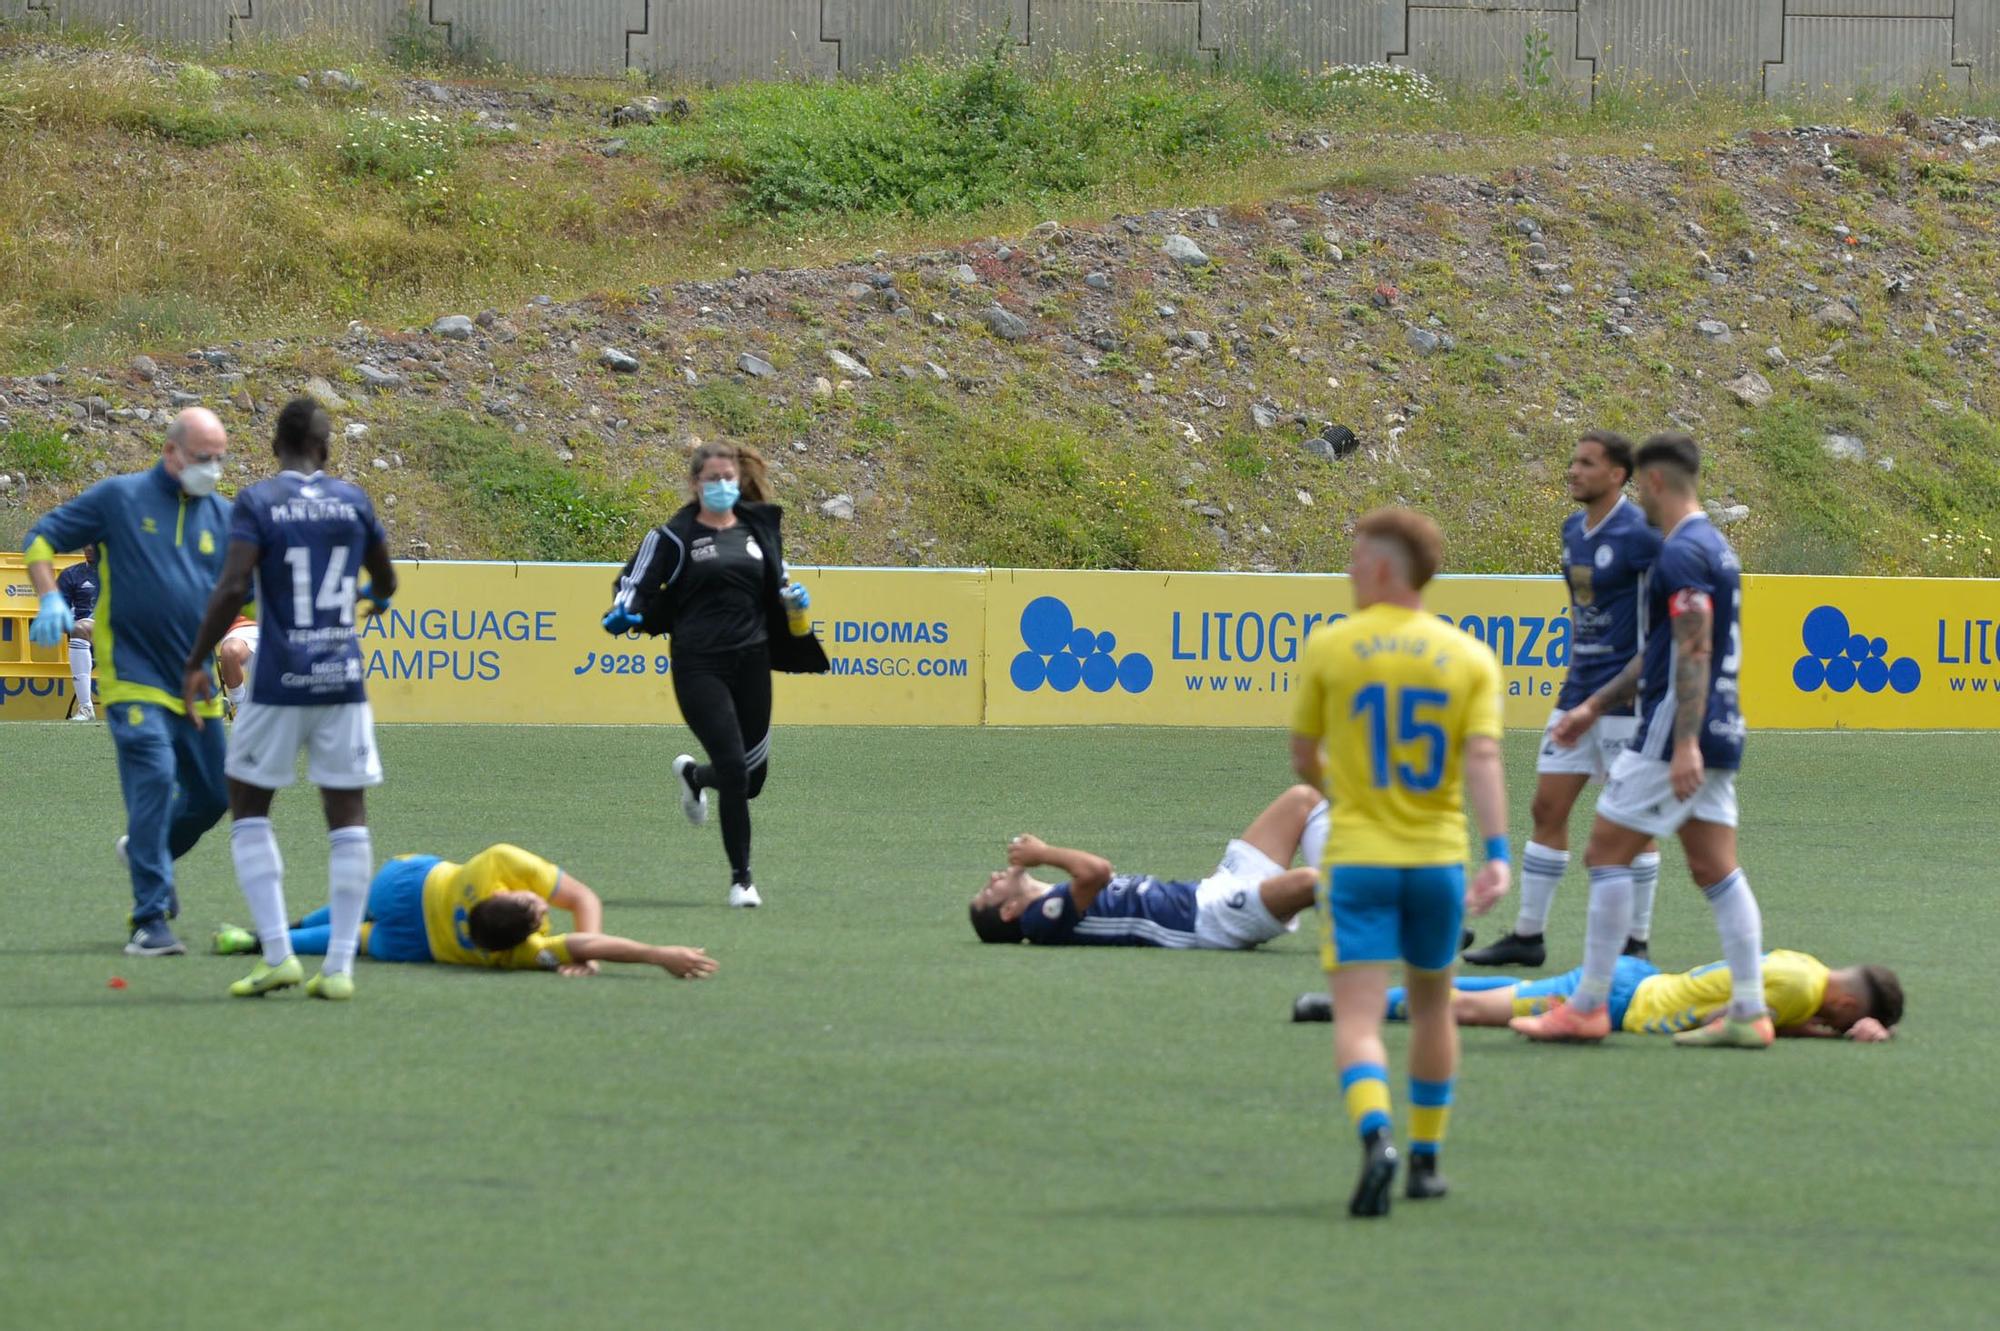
x=719, y=496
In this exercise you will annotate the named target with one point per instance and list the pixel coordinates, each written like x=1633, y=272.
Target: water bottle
x=795, y=598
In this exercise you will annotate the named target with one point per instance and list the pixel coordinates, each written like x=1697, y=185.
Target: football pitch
x=870, y=1120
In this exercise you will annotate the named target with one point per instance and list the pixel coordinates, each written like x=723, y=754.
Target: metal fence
x=1778, y=48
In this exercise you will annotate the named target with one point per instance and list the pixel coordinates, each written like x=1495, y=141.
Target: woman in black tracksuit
x=713, y=576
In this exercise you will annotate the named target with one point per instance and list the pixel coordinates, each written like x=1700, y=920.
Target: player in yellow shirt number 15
x=1397, y=716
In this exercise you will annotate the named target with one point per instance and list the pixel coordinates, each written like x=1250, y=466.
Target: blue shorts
x=1626, y=978
x=396, y=910
x=1380, y=913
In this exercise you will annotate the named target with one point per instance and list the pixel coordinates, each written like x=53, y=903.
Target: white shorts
x=1640, y=795
x=250, y=635
x=1593, y=755
x=338, y=740
x=1229, y=912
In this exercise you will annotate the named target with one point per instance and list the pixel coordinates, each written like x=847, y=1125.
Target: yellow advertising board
x=34, y=681
x=1218, y=649
x=1871, y=653
x=521, y=643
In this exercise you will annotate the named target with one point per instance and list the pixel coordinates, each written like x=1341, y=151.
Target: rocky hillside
x=1199, y=387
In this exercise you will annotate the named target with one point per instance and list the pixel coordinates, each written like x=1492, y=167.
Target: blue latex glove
x=381, y=605
x=617, y=620
x=796, y=596
x=53, y=621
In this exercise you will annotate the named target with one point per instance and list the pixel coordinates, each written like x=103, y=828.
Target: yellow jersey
x=451, y=890
x=1394, y=694
x=1794, y=987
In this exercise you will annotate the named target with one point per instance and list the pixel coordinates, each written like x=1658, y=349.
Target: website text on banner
x=521, y=643
x=1218, y=649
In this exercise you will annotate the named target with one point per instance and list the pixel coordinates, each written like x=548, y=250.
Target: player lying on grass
x=489, y=911
x=1862, y=1003
x=1251, y=897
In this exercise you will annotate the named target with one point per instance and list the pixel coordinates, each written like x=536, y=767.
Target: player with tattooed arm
x=1679, y=777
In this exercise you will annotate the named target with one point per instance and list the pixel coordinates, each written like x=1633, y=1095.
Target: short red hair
x=1412, y=533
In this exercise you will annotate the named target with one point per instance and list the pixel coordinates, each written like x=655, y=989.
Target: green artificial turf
x=869, y=1120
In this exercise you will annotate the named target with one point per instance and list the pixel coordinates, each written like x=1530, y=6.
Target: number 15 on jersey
x=1406, y=738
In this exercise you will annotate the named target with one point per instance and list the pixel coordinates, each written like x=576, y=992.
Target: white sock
x=1312, y=843
x=350, y=860
x=1645, y=879
x=1741, y=925
x=79, y=674
x=1604, y=938
x=260, y=872
x=238, y=694
x=1541, y=870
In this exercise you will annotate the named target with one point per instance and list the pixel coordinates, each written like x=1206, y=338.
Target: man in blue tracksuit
x=160, y=536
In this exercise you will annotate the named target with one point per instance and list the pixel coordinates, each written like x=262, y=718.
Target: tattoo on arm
x=1623, y=688
x=1692, y=649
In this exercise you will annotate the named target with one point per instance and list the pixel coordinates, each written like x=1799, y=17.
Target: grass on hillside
x=869, y=1120
x=153, y=209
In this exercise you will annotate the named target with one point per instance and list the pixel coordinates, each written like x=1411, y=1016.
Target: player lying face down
x=492, y=910
x=1250, y=898
x=1805, y=998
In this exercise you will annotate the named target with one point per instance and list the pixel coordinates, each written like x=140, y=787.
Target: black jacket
x=649, y=586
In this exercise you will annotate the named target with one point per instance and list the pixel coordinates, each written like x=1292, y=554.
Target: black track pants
x=726, y=699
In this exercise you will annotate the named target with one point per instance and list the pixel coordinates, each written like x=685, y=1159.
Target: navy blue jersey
x=1695, y=559
x=78, y=584
x=312, y=532
x=1133, y=911
x=1606, y=567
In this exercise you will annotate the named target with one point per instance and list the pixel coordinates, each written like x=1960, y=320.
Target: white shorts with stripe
x=1592, y=756
x=338, y=740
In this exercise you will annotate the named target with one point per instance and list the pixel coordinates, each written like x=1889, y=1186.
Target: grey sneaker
x=155, y=939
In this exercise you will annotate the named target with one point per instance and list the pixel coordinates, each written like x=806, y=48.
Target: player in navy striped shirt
x=1251, y=898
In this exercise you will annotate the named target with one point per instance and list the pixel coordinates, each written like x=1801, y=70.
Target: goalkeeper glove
x=52, y=621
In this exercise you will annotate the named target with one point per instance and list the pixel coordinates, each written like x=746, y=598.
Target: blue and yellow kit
x=1794, y=987
x=417, y=909
x=160, y=553
x=1393, y=694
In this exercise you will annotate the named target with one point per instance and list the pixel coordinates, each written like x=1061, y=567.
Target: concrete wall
x=1755, y=47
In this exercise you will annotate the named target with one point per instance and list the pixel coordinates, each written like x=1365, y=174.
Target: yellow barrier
x=34, y=681
x=520, y=643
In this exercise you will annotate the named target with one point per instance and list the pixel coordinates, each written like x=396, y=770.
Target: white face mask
x=200, y=478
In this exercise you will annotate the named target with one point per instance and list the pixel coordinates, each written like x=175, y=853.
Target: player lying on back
x=1251, y=897
x=492, y=911
x=1862, y=1003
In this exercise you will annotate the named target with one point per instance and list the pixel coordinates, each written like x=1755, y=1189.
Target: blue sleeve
x=1050, y=918
x=69, y=526
x=1680, y=566
x=1645, y=549
x=372, y=523
x=243, y=523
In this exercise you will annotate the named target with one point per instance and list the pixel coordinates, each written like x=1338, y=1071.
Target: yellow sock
x=1366, y=1088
